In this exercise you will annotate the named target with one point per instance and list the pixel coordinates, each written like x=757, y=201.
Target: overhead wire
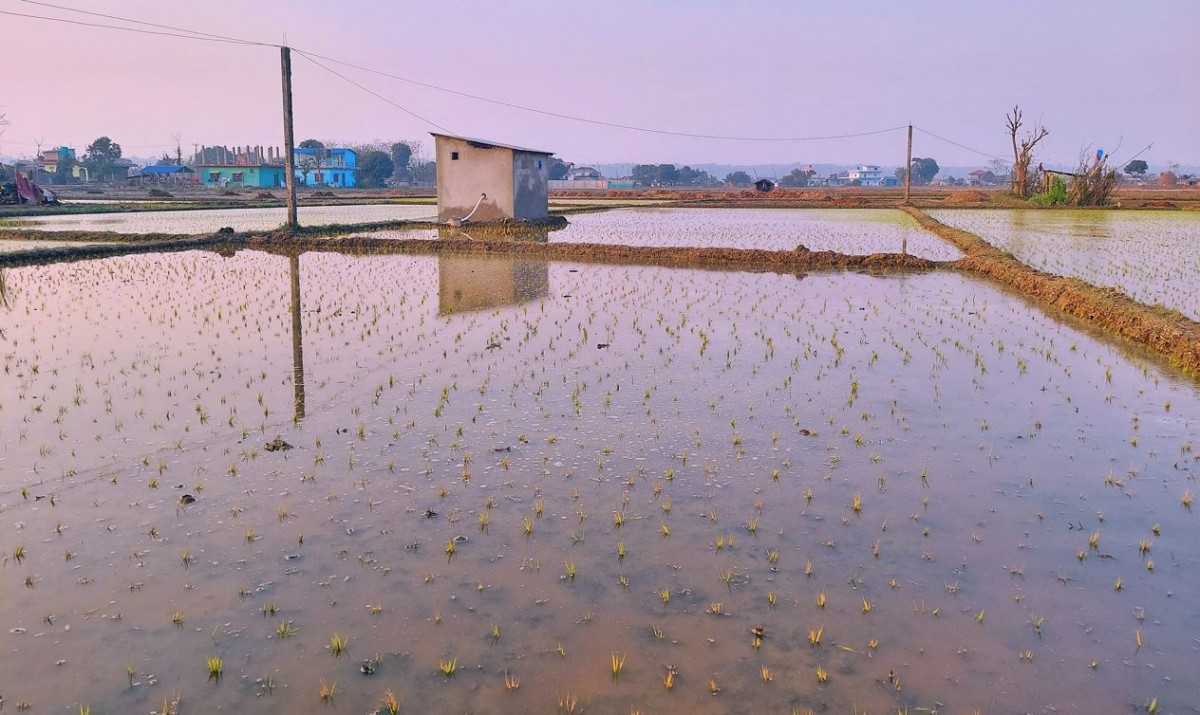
x=210, y=35
x=125, y=29
x=375, y=94
x=961, y=145
x=313, y=57
x=588, y=120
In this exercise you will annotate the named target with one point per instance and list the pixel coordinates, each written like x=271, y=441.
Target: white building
x=866, y=175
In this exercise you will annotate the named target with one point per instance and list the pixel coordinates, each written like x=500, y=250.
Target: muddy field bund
x=663, y=459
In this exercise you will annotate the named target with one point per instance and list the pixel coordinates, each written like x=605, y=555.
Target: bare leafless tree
x=1093, y=182
x=1023, y=151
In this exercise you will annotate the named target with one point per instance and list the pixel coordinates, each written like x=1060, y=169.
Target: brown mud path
x=1166, y=331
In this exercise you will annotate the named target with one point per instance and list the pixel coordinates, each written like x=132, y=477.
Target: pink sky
x=1097, y=73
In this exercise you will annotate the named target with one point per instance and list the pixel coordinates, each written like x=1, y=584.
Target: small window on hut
x=539, y=164
x=453, y=156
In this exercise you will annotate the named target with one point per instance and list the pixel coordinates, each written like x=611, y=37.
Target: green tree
x=798, y=178
x=401, y=156
x=668, y=175
x=424, y=173
x=558, y=169
x=311, y=144
x=645, y=174
x=64, y=171
x=738, y=178
x=374, y=168
x=100, y=157
x=695, y=177
x=1137, y=167
x=923, y=170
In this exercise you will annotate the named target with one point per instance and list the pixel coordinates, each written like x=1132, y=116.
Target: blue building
x=326, y=167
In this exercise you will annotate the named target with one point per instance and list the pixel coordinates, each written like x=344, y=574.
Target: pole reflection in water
x=297, y=339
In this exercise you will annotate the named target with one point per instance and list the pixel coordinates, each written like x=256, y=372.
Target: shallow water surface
x=209, y=220
x=851, y=231
x=919, y=485
x=1152, y=256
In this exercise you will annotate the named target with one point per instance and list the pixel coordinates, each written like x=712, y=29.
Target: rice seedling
x=285, y=630
x=527, y=525
x=326, y=691
x=617, y=662
x=337, y=645
x=448, y=667
x=814, y=636
x=511, y=682
x=664, y=594
x=391, y=704
x=177, y=619
x=822, y=674
x=568, y=703
x=216, y=667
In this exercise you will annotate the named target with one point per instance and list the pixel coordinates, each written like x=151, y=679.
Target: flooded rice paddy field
x=1152, y=256
x=744, y=492
x=210, y=220
x=851, y=231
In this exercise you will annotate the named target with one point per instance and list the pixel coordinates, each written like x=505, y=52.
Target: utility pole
x=907, y=167
x=289, y=159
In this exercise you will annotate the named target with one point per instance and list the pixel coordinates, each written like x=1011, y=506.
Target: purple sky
x=1097, y=73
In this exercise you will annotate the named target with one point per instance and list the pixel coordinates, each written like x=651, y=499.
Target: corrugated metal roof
x=486, y=144
x=165, y=169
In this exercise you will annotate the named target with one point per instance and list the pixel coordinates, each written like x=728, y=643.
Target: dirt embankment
x=1166, y=331
x=799, y=260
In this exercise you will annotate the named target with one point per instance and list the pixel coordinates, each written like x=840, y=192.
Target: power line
x=149, y=24
x=178, y=32
x=311, y=56
x=961, y=146
x=373, y=93
x=616, y=125
x=124, y=29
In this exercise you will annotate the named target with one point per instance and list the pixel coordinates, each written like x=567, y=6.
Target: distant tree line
x=670, y=175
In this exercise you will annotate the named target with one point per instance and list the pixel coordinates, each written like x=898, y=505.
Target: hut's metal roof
x=487, y=144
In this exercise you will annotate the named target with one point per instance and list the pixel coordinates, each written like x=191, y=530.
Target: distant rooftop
x=485, y=144
x=166, y=169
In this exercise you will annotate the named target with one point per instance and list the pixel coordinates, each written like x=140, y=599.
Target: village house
x=865, y=175
x=48, y=160
x=326, y=167
x=241, y=167
x=168, y=174
x=488, y=181
x=583, y=173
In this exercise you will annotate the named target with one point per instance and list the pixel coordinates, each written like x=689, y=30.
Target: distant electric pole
x=289, y=160
x=908, y=167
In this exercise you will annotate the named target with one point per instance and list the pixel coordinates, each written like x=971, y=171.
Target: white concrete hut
x=513, y=181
